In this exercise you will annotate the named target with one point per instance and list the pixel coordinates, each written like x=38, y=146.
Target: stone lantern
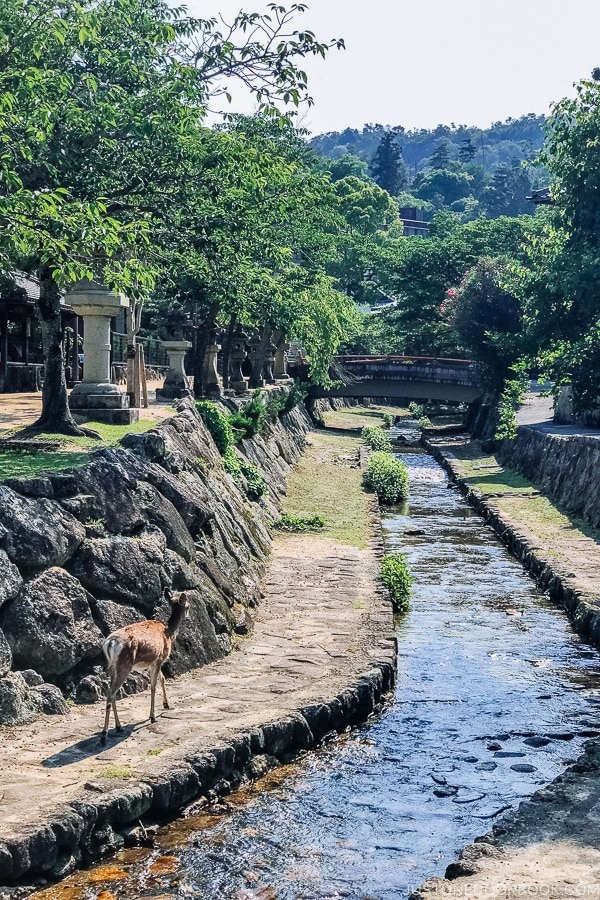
x=255, y=344
x=95, y=397
x=176, y=346
x=269, y=359
x=210, y=376
x=238, y=355
x=280, y=363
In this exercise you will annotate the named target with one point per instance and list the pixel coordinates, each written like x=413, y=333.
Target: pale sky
x=419, y=63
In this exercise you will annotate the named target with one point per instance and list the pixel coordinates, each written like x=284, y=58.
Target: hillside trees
x=418, y=272
x=387, y=166
x=101, y=105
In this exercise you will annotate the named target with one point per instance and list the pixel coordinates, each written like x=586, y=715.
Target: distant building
x=413, y=222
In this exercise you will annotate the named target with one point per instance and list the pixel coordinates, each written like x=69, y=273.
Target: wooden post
x=137, y=379
x=143, y=378
x=131, y=356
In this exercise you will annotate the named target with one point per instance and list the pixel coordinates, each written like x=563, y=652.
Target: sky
x=419, y=63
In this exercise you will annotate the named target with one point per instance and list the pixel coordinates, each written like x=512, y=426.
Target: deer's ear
x=167, y=593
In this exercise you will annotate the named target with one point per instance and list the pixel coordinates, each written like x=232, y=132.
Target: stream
x=495, y=696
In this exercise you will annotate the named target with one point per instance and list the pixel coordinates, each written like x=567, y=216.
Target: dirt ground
x=17, y=410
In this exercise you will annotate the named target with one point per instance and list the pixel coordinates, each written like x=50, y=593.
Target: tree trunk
x=226, y=350
x=56, y=415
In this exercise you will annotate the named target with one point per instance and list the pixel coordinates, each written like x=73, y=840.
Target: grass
x=74, y=451
x=357, y=417
x=327, y=483
x=116, y=771
x=519, y=500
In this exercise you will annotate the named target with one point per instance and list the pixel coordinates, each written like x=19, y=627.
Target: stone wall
x=86, y=550
x=567, y=467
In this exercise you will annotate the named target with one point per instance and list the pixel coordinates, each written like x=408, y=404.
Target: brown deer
x=143, y=645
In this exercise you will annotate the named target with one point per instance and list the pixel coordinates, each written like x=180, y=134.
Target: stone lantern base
x=102, y=403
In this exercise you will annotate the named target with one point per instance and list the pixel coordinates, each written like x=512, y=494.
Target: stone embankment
x=89, y=549
x=565, y=466
x=86, y=550
x=549, y=847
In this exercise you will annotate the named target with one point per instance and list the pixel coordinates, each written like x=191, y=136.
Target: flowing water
x=495, y=695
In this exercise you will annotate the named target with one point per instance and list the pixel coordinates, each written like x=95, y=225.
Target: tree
x=561, y=281
x=487, y=316
x=467, y=150
x=440, y=157
x=418, y=272
x=346, y=165
x=387, y=166
x=101, y=105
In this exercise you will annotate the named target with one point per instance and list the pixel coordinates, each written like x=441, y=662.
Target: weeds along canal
x=495, y=696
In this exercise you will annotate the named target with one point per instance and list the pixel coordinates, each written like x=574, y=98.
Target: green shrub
x=249, y=419
x=274, y=407
x=218, y=423
x=416, y=409
x=388, y=419
x=425, y=422
x=507, y=407
x=256, y=486
x=376, y=438
x=387, y=477
x=296, y=394
x=299, y=523
x=396, y=576
x=245, y=475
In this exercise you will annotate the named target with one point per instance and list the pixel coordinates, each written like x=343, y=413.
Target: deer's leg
x=154, y=673
x=164, y=690
x=106, y=720
x=114, y=686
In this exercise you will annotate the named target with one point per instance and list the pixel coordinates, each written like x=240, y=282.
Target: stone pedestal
x=95, y=397
x=176, y=383
x=256, y=376
x=270, y=352
x=210, y=376
x=280, y=362
x=238, y=354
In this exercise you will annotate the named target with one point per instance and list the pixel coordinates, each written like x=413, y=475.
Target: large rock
x=126, y=569
x=110, y=615
x=160, y=512
x=49, y=624
x=19, y=703
x=39, y=533
x=104, y=490
x=187, y=494
x=5, y=656
x=10, y=579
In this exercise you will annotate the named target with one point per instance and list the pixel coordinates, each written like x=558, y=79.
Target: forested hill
x=500, y=145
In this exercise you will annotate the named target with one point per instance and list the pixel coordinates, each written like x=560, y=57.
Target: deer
x=143, y=645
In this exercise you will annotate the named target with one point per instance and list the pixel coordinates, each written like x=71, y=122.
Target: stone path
x=322, y=624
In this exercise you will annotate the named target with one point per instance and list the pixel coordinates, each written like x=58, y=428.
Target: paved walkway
x=537, y=412
x=322, y=624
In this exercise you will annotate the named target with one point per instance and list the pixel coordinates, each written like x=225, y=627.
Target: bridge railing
x=405, y=368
